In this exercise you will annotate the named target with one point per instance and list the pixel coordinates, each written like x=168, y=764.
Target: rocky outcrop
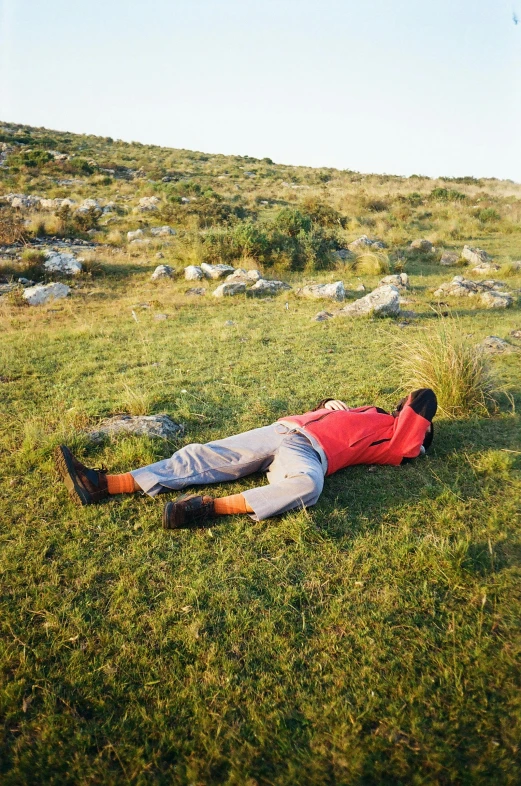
x=489, y=292
x=148, y=204
x=158, y=426
x=334, y=291
x=381, y=302
x=398, y=280
x=493, y=345
x=475, y=256
x=43, y=293
x=66, y=264
x=230, y=288
x=163, y=271
x=165, y=231
x=264, y=287
x=216, y=271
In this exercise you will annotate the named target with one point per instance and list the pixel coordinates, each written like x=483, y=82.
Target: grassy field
x=373, y=639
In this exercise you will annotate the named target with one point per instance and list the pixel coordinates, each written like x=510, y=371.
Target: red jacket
x=367, y=435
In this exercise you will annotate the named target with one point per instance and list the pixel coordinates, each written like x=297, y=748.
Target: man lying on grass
x=296, y=452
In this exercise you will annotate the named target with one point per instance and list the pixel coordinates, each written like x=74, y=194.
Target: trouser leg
x=296, y=480
x=214, y=462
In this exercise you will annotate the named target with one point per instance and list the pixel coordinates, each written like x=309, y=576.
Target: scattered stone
x=398, y=280
x=110, y=207
x=162, y=231
x=148, y=204
x=89, y=204
x=421, y=244
x=163, y=271
x=486, y=267
x=264, y=287
x=230, y=288
x=476, y=256
x=322, y=316
x=25, y=282
x=43, y=293
x=160, y=255
x=494, y=345
x=463, y=287
x=193, y=273
x=216, y=271
x=160, y=426
x=333, y=291
x=230, y=323
x=494, y=299
x=449, y=258
x=66, y=264
x=160, y=317
x=134, y=234
x=245, y=276
x=360, y=288
x=363, y=242
x=139, y=241
x=515, y=333
x=195, y=291
x=383, y=302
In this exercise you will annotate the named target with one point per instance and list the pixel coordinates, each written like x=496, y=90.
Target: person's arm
x=332, y=404
x=413, y=421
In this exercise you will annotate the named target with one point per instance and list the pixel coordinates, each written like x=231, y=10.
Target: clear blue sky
x=398, y=86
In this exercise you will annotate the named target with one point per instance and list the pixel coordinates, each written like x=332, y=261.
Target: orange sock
x=122, y=484
x=225, y=506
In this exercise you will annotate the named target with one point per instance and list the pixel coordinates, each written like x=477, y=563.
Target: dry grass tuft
x=371, y=263
x=457, y=371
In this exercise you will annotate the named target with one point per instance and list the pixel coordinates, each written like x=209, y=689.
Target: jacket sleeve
x=412, y=422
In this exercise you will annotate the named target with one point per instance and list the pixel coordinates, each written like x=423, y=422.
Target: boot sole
x=64, y=465
x=166, y=515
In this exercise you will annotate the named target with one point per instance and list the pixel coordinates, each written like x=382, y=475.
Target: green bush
x=30, y=158
x=292, y=222
x=488, y=215
x=446, y=195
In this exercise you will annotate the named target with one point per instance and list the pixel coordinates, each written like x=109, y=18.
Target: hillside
x=371, y=639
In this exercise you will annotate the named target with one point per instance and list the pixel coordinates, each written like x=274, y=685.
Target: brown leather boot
x=187, y=512
x=86, y=486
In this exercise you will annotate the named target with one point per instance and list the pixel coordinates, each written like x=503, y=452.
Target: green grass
x=373, y=639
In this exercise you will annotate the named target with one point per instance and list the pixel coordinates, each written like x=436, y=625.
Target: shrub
x=291, y=222
x=457, y=371
x=30, y=158
x=446, y=195
x=323, y=214
x=12, y=227
x=488, y=215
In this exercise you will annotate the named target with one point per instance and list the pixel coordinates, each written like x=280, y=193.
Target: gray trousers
x=294, y=469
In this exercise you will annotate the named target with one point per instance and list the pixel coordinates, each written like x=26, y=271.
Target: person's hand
x=336, y=405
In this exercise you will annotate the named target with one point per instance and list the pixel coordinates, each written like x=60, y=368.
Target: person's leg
x=296, y=480
x=195, y=464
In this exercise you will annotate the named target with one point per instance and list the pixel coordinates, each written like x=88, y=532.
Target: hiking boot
x=86, y=486
x=189, y=510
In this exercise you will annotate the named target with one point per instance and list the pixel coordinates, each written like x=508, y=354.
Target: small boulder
x=159, y=426
x=43, y=293
x=162, y=231
x=148, y=204
x=363, y=243
x=264, y=287
x=421, y=244
x=322, y=316
x=494, y=299
x=360, y=288
x=486, y=267
x=475, y=256
x=245, y=276
x=134, y=234
x=216, y=271
x=342, y=254
x=89, y=205
x=66, y=264
x=163, y=271
x=449, y=258
x=195, y=291
x=230, y=288
x=399, y=280
x=193, y=273
x=333, y=291
x=382, y=302
x=515, y=333
x=493, y=345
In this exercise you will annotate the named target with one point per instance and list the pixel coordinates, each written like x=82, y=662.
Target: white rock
x=42, y=293
x=360, y=288
x=162, y=231
x=264, y=287
x=449, y=258
x=216, y=271
x=360, y=243
x=495, y=299
x=333, y=291
x=246, y=276
x=421, y=244
x=486, y=267
x=463, y=287
x=134, y=234
x=148, y=204
x=476, y=256
x=193, y=273
x=140, y=425
x=110, y=207
x=163, y=271
x=67, y=264
x=494, y=345
x=89, y=204
x=399, y=280
x=230, y=288
x=383, y=301
x=140, y=242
